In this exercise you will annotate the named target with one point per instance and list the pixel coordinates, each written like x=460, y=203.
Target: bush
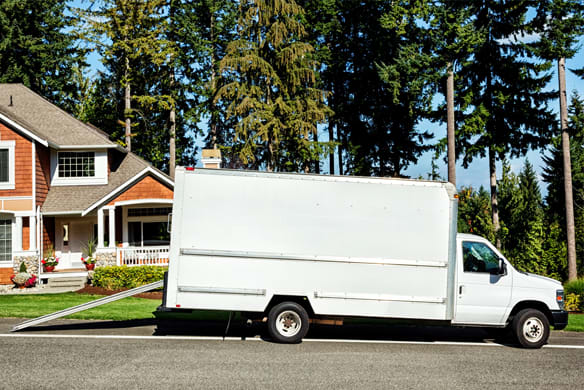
x=574, y=292
x=572, y=302
x=575, y=287
x=116, y=278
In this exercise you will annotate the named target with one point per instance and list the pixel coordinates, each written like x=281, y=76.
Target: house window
x=5, y=240
x=7, y=165
x=76, y=164
x=148, y=233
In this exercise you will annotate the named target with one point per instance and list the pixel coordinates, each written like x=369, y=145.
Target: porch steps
x=66, y=283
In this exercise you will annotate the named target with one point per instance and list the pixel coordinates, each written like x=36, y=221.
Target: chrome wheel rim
x=533, y=329
x=288, y=323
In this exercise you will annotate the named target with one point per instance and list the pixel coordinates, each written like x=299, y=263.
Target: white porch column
x=100, y=228
x=112, y=227
x=32, y=233
x=18, y=235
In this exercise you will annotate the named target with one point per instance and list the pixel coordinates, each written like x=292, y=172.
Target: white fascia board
x=57, y=213
x=29, y=134
x=142, y=201
x=122, y=187
x=85, y=147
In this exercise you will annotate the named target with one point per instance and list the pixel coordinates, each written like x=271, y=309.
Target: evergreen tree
x=474, y=212
x=560, y=22
x=37, y=50
x=269, y=87
x=553, y=176
x=505, y=109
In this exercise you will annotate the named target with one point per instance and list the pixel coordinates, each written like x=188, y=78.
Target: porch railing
x=148, y=255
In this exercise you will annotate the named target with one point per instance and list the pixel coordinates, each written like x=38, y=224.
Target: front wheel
x=531, y=328
x=287, y=322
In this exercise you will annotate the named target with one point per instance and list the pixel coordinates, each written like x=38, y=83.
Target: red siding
x=147, y=188
x=43, y=173
x=22, y=163
x=48, y=233
x=26, y=233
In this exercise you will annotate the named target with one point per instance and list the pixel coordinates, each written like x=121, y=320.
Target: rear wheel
x=287, y=322
x=531, y=328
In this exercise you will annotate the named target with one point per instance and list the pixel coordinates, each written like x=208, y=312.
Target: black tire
x=531, y=328
x=287, y=323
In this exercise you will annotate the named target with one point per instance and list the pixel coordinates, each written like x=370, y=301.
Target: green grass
x=31, y=306
x=575, y=323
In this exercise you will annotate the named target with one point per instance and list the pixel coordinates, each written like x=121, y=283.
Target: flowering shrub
x=24, y=279
x=50, y=261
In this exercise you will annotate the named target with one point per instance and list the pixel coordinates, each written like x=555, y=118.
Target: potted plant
x=90, y=260
x=89, y=263
x=23, y=279
x=50, y=262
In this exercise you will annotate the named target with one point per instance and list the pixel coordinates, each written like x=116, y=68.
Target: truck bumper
x=560, y=319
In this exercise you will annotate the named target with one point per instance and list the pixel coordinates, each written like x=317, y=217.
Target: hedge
x=121, y=277
x=574, y=291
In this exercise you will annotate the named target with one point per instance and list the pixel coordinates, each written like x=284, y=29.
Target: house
x=63, y=182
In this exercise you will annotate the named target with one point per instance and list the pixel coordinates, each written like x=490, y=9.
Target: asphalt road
x=145, y=354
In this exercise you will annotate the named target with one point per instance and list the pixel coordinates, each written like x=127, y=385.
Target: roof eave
x=23, y=130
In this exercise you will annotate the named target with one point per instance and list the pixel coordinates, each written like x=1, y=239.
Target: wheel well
x=301, y=300
x=542, y=307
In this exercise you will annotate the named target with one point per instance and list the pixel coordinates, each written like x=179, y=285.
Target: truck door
x=483, y=295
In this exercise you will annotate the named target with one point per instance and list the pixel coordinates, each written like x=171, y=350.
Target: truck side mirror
x=502, y=267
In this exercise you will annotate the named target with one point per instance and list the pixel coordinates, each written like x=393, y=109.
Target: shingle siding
x=43, y=173
x=22, y=163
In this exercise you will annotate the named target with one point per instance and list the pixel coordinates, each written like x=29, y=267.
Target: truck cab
x=491, y=292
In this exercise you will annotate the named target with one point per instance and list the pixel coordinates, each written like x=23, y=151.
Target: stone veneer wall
x=105, y=258
x=32, y=264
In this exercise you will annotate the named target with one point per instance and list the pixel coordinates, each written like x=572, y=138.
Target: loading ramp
x=88, y=305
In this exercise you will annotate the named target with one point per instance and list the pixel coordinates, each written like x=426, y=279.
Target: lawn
x=30, y=306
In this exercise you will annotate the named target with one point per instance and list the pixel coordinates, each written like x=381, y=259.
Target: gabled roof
x=39, y=119
x=46, y=121
x=84, y=199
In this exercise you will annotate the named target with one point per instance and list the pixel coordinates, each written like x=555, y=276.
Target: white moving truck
x=294, y=247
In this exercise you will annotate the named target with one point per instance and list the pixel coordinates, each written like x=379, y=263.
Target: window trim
x=100, y=169
x=10, y=184
x=11, y=228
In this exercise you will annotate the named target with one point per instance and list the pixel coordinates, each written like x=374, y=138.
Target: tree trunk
x=128, y=107
x=494, y=205
x=570, y=228
x=331, y=128
x=339, y=140
x=213, y=121
x=172, y=131
x=450, y=125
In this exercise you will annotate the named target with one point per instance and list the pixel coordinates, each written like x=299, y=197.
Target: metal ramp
x=88, y=305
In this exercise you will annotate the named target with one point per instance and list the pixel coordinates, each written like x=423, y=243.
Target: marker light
x=190, y=168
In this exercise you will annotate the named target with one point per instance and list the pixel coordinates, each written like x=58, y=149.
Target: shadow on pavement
x=240, y=329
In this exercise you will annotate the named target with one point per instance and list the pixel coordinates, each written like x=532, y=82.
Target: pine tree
x=559, y=23
x=268, y=86
x=453, y=35
x=37, y=50
x=505, y=111
x=553, y=176
x=129, y=34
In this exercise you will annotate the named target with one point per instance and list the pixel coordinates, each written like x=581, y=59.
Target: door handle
x=460, y=289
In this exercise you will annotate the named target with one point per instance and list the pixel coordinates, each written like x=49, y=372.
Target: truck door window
x=478, y=257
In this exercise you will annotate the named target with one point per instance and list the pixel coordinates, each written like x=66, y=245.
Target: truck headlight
x=560, y=298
